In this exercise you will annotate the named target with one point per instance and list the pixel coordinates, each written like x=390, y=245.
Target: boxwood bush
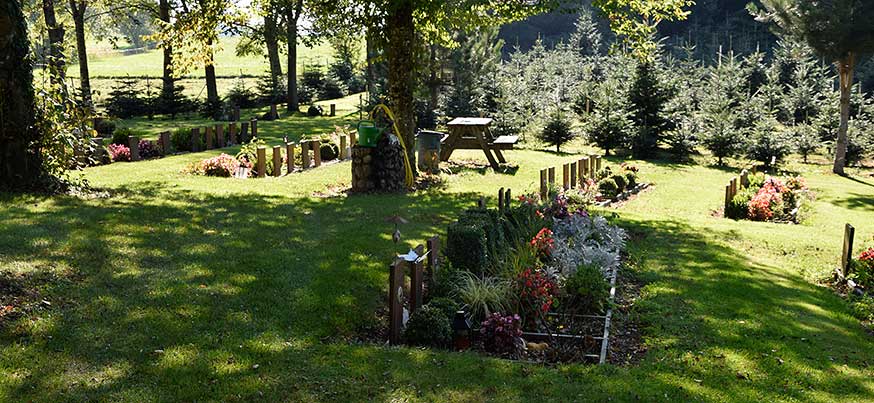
x=428, y=326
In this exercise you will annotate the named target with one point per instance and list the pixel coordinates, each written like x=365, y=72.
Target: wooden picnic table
x=474, y=134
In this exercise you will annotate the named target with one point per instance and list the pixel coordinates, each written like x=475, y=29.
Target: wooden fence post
x=552, y=176
x=277, y=160
x=433, y=245
x=847, y=255
x=353, y=139
x=317, y=153
x=244, y=132
x=396, y=300
x=333, y=110
x=166, y=144
x=289, y=153
x=733, y=187
x=501, y=199
x=220, y=136
x=727, y=196
x=209, y=138
x=565, y=176
x=544, y=190
x=574, y=181
x=417, y=279
x=305, y=154
x=262, y=161
x=598, y=163
x=581, y=174
x=232, y=132
x=195, y=139
x=585, y=164
x=134, y=143
x=507, y=199
x=254, y=125
x=744, y=178
x=343, y=153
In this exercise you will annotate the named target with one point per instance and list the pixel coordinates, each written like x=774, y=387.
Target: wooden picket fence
x=736, y=184
x=574, y=174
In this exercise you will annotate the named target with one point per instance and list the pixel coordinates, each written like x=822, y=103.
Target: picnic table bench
x=474, y=134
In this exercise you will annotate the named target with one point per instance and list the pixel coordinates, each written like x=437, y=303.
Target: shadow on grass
x=196, y=297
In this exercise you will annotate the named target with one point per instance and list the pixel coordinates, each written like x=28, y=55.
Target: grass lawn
x=183, y=288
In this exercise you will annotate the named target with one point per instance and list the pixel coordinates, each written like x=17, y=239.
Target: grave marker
x=433, y=255
x=343, y=151
x=585, y=163
x=552, y=176
x=165, y=143
x=417, y=269
x=574, y=182
x=565, y=176
x=333, y=110
x=254, y=125
x=598, y=164
x=543, y=185
x=501, y=199
x=581, y=174
x=244, y=132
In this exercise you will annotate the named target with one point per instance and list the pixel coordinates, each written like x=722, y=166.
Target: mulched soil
x=20, y=295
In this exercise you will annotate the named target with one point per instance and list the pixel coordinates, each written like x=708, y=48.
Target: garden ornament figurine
x=397, y=220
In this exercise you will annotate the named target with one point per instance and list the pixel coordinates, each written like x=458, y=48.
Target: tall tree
x=271, y=40
x=293, y=12
x=637, y=21
x=167, y=81
x=20, y=160
x=56, y=43
x=837, y=30
x=78, y=8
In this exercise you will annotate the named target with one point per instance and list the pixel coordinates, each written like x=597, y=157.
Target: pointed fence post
x=262, y=161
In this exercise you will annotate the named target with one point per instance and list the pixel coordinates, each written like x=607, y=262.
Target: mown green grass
x=250, y=287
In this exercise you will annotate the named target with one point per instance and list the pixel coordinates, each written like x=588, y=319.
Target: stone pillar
x=362, y=169
x=134, y=143
x=262, y=161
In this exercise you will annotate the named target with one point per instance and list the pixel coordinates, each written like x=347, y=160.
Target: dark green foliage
x=240, y=95
x=314, y=111
x=647, y=98
x=607, y=124
x=608, y=188
x=766, y=142
x=621, y=182
x=478, y=240
x=329, y=151
x=126, y=100
x=738, y=207
x=174, y=102
x=557, y=131
x=587, y=289
x=806, y=141
x=474, y=64
x=271, y=90
x=442, y=283
x=105, y=127
x=181, y=139
x=311, y=85
x=446, y=305
x=120, y=135
x=331, y=89
x=630, y=179
x=756, y=181
x=428, y=326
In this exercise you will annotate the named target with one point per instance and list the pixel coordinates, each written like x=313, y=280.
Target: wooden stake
x=727, y=196
x=552, y=176
x=262, y=161
x=565, y=176
x=305, y=154
x=333, y=110
x=195, y=139
x=433, y=255
x=574, y=182
x=254, y=127
x=277, y=160
x=585, y=164
x=581, y=171
x=501, y=199
x=232, y=132
x=544, y=190
x=317, y=153
x=343, y=154
x=244, y=132
x=847, y=254
x=289, y=153
x=134, y=143
x=220, y=136
x=507, y=199
x=166, y=144
x=417, y=269
x=396, y=300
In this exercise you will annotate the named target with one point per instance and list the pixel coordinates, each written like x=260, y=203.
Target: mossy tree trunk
x=20, y=162
x=401, y=82
x=56, y=43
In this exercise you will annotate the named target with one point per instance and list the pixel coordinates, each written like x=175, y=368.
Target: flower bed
x=861, y=282
x=534, y=281
x=766, y=198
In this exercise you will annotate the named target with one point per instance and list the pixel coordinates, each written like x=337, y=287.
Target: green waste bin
x=368, y=133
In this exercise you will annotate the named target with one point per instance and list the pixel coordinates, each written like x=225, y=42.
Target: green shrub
x=587, y=289
x=104, y=127
x=442, y=283
x=466, y=246
x=483, y=295
x=630, y=179
x=329, y=151
x=604, y=173
x=428, y=326
x=621, y=183
x=862, y=307
x=446, y=305
x=608, y=188
x=120, y=135
x=181, y=139
x=738, y=207
x=756, y=181
x=767, y=142
x=314, y=111
x=557, y=131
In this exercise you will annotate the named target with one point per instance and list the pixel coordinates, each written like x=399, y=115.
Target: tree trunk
x=211, y=86
x=20, y=161
x=370, y=54
x=78, y=12
x=401, y=35
x=845, y=66
x=167, y=82
x=270, y=34
x=433, y=79
x=292, y=15
x=56, y=43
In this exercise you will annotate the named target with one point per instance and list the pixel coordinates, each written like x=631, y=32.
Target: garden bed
x=759, y=197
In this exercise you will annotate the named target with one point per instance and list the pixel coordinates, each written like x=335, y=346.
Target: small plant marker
x=289, y=153
x=847, y=254
x=317, y=153
x=134, y=142
x=277, y=160
x=262, y=161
